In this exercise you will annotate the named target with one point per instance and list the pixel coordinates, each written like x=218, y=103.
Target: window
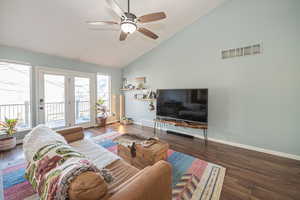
x=103, y=90
x=15, y=93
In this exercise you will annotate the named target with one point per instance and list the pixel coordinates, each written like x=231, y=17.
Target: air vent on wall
x=242, y=51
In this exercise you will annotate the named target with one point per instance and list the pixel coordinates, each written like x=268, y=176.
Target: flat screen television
x=189, y=105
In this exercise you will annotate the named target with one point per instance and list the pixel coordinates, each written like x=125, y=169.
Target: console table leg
x=205, y=136
x=154, y=128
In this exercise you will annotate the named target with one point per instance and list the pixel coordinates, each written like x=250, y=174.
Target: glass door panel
x=54, y=100
x=82, y=100
x=65, y=98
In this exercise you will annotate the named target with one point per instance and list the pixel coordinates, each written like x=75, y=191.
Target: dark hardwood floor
x=249, y=174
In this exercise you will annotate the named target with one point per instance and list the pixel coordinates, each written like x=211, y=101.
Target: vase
x=8, y=143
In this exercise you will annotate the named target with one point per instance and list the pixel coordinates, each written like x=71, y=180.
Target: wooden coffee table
x=144, y=156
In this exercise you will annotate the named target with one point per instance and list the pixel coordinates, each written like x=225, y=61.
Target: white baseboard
x=244, y=146
x=254, y=148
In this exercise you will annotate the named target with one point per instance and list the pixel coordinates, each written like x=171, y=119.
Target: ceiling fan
x=130, y=22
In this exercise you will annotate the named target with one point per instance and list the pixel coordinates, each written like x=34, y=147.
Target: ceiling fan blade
x=101, y=22
x=152, y=17
x=123, y=36
x=148, y=33
x=116, y=8
x=103, y=29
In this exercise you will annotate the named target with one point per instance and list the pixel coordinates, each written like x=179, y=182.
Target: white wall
x=253, y=100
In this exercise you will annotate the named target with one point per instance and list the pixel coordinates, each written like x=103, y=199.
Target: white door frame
x=69, y=93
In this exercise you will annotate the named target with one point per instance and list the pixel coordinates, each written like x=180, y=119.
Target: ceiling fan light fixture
x=128, y=27
x=129, y=22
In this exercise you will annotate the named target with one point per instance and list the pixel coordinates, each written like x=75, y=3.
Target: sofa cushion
x=87, y=186
x=100, y=156
x=121, y=171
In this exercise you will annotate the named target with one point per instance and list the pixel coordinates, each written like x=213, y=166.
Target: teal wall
x=44, y=60
x=253, y=100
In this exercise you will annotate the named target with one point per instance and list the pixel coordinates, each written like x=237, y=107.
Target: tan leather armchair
x=151, y=183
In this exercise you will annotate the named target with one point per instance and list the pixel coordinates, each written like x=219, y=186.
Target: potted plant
x=126, y=121
x=9, y=127
x=102, y=112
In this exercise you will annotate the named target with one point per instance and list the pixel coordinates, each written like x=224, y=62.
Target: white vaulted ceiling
x=57, y=27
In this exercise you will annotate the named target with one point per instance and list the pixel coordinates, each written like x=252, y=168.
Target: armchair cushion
x=151, y=183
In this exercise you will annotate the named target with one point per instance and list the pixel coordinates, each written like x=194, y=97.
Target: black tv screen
x=183, y=104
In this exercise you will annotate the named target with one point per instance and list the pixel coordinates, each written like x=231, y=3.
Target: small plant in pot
x=102, y=112
x=9, y=127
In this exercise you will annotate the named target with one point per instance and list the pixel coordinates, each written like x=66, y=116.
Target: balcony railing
x=54, y=113
x=17, y=111
x=82, y=110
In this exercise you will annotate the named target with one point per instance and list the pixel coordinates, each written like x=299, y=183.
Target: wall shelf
x=141, y=92
x=125, y=89
x=146, y=99
x=135, y=89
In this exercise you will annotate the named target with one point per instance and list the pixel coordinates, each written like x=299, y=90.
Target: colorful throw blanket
x=53, y=167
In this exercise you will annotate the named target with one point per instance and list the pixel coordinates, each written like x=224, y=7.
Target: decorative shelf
x=125, y=89
x=141, y=91
x=141, y=79
x=146, y=99
x=135, y=89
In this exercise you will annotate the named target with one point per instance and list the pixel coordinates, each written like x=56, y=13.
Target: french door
x=65, y=98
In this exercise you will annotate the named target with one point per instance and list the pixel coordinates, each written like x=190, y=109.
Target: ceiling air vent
x=242, y=51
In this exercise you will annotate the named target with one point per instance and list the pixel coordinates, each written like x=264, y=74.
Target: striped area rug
x=14, y=186
x=193, y=179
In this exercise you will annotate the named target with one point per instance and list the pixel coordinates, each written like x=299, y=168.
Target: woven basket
x=8, y=143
